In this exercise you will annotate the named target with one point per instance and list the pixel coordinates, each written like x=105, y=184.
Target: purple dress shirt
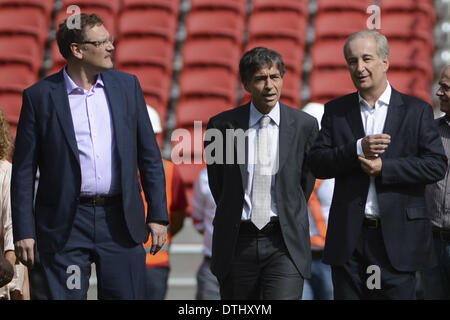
x=94, y=132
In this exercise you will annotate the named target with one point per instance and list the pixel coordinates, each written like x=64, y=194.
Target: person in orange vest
x=320, y=286
x=158, y=265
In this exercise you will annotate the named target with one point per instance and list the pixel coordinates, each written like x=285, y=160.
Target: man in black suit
x=261, y=185
x=382, y=147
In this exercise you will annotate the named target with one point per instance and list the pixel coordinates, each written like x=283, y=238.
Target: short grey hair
x=381, y=43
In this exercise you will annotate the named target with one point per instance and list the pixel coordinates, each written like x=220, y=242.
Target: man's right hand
x=25, y=252
x=375, y=144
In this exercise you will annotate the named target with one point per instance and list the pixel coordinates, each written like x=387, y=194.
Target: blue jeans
x=207, y=284
x=436, y=280
x=320, y=286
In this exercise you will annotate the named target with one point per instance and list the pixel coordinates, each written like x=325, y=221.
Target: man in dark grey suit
x=261, y=185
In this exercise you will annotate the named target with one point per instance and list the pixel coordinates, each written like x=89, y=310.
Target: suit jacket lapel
x=286, y=133
x=394, y=114
x=117, y=105
x=241, y=122
x=62, y=107
x=354, y=116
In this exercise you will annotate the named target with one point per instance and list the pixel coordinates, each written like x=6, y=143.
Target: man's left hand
x=158, y=232
x=371, y=166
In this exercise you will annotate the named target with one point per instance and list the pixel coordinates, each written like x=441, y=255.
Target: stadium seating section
x=186, y=52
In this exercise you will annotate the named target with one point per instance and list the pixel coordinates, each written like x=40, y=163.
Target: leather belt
x=442, y=234
x=247, y=227
x=101, y=200
x=372, y=223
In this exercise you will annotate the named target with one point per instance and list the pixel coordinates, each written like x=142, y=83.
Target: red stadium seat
x=24, y=21
x=422, y=8
x=343, y=5
x=278, y=24
x=409, y=55
x=408, y=27
x=210, y=81
x=46, y=6
x=238, y=6
x=211, y=52
x=412, y=83
x=16, y=77
x=215, y=23
x=190, y=172
x=22, y=49
x=112, y=6
x=148, y=22
x=58, y=60
x=201, y=109
x=155, y=84
x=291, y=91
x=299, y=6
x=339, y=24
x=11, y=104
x=171, y=6
x=328, y=53
x=330, y=84
x=145, y=51
x=291, y=51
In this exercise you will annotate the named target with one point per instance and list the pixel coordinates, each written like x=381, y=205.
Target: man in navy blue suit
x=87, y=130
x=383, y=148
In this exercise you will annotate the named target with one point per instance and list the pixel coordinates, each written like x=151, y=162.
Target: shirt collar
x=73, y=87
x=444, y=120
x=255, y=115
x=382, y=100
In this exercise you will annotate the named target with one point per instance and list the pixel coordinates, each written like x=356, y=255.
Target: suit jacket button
x=361, y=203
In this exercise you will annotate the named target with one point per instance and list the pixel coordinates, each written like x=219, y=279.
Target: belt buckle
x=377, y=223
x=373, y=223
x=94, y=201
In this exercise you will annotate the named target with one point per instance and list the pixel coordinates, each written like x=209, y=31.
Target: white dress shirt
x=273, y=128
x=373, y=119
x=203, y=211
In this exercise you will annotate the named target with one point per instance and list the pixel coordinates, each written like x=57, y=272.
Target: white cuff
x=359, y=149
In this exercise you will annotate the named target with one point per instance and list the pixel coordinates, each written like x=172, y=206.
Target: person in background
x=436, y=280
x=203, y=210
x=320, y=286
x=14, y=282
x=158, y=265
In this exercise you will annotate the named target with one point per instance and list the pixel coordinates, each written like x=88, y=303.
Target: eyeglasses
x=99, y=44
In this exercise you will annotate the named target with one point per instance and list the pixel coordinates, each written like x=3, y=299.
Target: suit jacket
x=414, y=158
x=46, y=139
x=294, y=183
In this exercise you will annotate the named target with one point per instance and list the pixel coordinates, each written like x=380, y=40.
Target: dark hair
x=6, y=144
x=256, y=59
x=67, y=35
